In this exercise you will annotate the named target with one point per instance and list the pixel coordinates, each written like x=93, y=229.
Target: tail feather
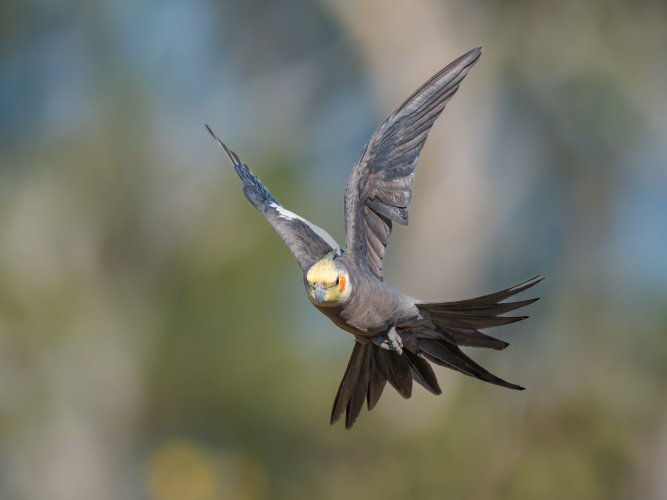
x=459, y=321
x=398, y=372
x=496, y=297
x=492, y=309
x=378, y=378
x=422, y=373
x=456, y=323
x=470, y=337
x=473, y=321
x=359, y=388
x=445, y=354
x=355, y=381
x=368, y=370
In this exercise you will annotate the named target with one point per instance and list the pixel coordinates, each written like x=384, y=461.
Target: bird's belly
x=361, y=319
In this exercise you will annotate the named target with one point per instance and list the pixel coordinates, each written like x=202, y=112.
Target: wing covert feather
x=307, y=242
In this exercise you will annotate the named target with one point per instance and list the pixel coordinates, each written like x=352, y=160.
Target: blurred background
x=155, y=338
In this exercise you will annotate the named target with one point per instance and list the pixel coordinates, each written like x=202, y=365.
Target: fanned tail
x=460, y=322
x=368, y=371
x=457, y=324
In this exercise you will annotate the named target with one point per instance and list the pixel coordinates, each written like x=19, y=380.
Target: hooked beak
x=320, y=293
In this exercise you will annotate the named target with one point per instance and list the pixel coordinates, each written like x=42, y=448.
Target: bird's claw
x=390, y=341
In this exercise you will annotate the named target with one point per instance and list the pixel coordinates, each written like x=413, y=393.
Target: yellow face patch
x=323, y=272
x=327, y=284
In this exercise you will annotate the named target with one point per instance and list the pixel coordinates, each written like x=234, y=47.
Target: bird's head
x=328, y=282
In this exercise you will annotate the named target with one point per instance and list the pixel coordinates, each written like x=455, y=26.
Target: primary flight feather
x=396, y=336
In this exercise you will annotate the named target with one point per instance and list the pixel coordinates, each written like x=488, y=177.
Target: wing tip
x=470, y=57
x=231, y=154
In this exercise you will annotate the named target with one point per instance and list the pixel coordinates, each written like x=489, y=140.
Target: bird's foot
x=390, y=341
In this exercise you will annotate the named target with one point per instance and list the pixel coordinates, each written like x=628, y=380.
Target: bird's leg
x=390, y=341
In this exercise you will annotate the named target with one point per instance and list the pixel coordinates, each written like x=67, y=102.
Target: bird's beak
x=320, y=293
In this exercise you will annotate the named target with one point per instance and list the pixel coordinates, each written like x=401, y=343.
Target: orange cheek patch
x=342, y=284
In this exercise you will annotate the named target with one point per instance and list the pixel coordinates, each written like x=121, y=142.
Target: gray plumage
x=396, y=335
x=380, y=188
x=307, y=241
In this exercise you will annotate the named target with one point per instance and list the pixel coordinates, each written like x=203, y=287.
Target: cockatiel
x=396, y=336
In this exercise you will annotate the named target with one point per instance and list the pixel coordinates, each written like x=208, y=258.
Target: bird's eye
x=337, y=281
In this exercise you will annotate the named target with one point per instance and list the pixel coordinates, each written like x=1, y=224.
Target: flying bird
x=396, y=336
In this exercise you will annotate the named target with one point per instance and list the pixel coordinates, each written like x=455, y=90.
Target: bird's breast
x=371, y=310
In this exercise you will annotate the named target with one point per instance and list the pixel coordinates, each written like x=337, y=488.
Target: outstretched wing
x=379, y=190
x=308, y=242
